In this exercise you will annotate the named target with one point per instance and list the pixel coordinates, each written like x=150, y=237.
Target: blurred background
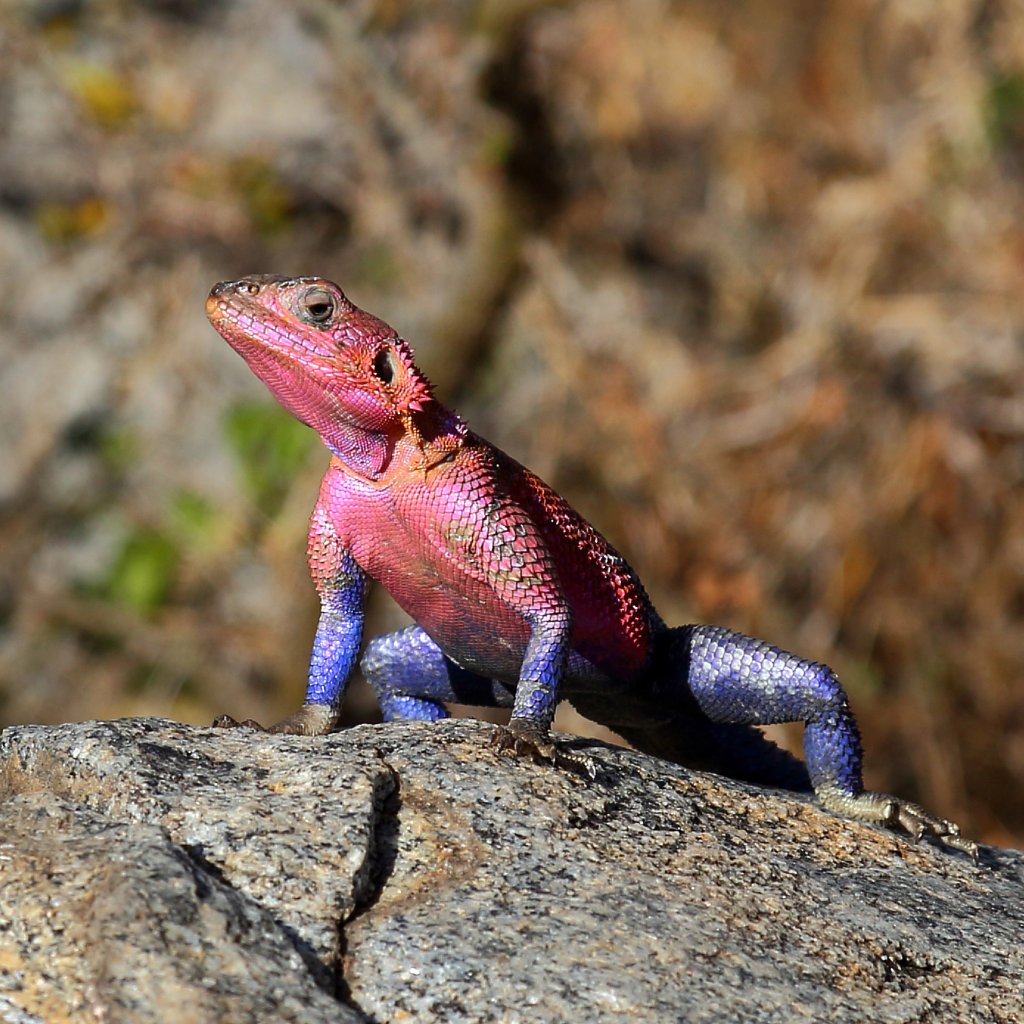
x=742, y=280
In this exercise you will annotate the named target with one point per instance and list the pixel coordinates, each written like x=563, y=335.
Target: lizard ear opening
x=384, y=366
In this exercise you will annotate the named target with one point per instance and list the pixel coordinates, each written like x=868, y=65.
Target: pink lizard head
x=329, y=363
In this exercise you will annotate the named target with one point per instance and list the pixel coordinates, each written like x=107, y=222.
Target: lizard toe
x=525, y=739
x=902, y=815
x=309, y=720
x=914, y=820
x=227, y=722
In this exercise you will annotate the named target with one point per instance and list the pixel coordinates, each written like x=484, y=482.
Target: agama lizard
x=517, y=600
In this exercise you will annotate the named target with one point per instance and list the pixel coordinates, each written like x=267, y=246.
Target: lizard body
x=517, y=600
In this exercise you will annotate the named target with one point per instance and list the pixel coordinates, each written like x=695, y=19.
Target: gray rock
x=112, y=921
x=407, y=872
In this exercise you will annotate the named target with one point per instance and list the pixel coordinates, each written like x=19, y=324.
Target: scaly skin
x=518, y=601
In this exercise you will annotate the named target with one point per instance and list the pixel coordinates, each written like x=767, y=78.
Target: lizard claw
x=309, y=720
x=899, y=814
x=227, y=722
x=916, y=821
x=522, y=738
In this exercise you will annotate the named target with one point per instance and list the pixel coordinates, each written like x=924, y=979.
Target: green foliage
x=146, y=568
x=194, y=521
x=272, y=447
x=118, y=448
x=267, y=199
x=377, y=265
x=1004, y=108
x=496, y=146
x=64, y=222
x=106, y=95
x=143, y=572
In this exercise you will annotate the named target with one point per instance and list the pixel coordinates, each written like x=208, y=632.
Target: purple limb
x=738, y=680
x=543, y=666
x=338, y=634
x=414, y=679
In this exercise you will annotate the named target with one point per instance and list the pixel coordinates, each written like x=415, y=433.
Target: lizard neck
x=416, y=442
x=363, y=452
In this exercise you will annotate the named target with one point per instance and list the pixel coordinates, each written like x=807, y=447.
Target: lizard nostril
x=244, y=286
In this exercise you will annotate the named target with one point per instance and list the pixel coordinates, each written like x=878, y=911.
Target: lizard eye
x=317, y=306
x=384, y=366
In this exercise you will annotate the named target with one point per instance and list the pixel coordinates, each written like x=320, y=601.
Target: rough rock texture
x=112, y=920
x=153, y=871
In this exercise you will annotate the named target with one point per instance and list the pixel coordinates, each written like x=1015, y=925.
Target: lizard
x=516, y=600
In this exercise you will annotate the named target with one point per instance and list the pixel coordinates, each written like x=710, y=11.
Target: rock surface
x=153, y=871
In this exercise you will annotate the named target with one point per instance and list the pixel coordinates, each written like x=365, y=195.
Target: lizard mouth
x=214, y=303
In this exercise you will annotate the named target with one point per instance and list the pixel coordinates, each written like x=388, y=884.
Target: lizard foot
x=227, y=722
x=900, y=814
x=522, y=738
x=309, y=720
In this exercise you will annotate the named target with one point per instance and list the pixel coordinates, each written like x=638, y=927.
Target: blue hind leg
x=737, y=679
x=413, y=679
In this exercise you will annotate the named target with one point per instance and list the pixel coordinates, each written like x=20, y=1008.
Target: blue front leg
x=341, y=584
x=413, y=680
x=537, y=692
x=338, y=634
x=541, y=672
